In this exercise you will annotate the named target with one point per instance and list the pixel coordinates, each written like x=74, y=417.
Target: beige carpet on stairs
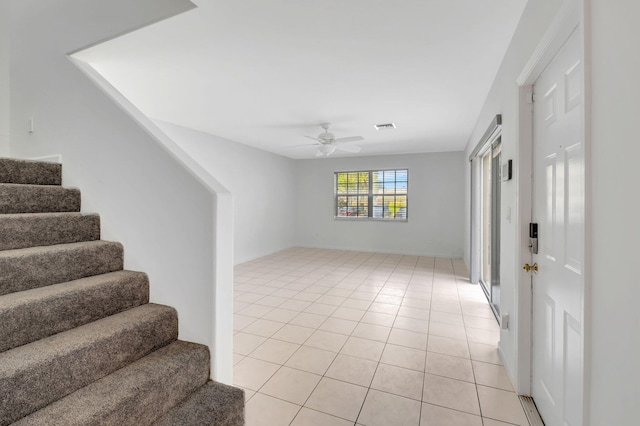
x=80, y=344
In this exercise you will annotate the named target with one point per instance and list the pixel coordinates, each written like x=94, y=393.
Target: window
x=374, y=194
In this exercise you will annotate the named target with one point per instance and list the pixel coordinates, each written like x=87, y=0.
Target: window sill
x=368, y=219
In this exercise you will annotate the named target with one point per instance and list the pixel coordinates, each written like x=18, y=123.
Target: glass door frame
x=490, y=201
x=485, y=222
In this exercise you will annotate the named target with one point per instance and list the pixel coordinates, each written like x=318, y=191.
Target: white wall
x=272, y=193
x=615, y=150
x=436, y=200
x=503, y=99
x=613, y=231
x=262, y=185
x=147, y=199
x=4, y=78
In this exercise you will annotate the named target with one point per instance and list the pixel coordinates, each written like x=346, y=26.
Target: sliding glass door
x=490, y=218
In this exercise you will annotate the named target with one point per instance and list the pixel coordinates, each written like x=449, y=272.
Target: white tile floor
x=328, y=337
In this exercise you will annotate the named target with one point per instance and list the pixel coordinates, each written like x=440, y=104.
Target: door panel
x=574, y=208
x=558, y=288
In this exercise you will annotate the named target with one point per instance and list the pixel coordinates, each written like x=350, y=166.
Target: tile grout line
x=426, y=352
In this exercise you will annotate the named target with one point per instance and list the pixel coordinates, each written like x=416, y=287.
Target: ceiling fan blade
x=349, y=139
x=314, y=138
x=349, y=148
x=319, y=154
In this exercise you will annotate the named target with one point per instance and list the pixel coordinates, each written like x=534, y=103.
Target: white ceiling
x=267, y=72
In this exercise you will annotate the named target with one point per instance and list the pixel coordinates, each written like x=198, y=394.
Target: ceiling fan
x=327, y=142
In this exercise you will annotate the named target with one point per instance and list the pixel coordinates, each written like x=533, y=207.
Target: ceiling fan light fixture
x=326, y=150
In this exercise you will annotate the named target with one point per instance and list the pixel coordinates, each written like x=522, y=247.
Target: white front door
x=558, y=208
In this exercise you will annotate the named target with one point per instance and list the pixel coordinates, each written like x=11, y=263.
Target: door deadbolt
x=533, y=238
x=533, y=267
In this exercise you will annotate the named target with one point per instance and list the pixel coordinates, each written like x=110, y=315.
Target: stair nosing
x=25, y=294
x=47, y=214
x=56, y=247
x=40, y=185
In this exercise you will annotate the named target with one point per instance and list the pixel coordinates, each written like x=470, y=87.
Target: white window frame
x=370, y=196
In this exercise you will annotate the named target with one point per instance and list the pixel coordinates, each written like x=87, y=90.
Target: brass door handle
x=528, y=267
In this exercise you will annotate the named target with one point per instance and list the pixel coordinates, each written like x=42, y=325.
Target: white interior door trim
x=570, y=17
x=566, y=20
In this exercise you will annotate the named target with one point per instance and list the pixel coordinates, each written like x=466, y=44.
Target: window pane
x=377, y=178
x=377, y=206
x=401, y=187
x=389, y=207
x=390, y=182
x=352, y=209
x=401, y=175
x=342, y=206
x=363, y=183
x=401, y=207
x=341, y=183
x=352, y=182
x=363, y=206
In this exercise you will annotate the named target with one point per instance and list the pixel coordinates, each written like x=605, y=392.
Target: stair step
x=44, y=229
x=31, y=315
x=30, y=172
x=28, y=268
x=137, y=394
x=16, y=198
x=213, y=404
x=39, y=373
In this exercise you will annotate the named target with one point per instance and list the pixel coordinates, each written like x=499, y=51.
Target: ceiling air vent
x=385, y=126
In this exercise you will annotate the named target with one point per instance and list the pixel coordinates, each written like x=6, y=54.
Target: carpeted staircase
x=80, y=344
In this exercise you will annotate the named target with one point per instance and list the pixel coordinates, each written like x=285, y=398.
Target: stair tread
x=37, y=313
x=33, y=267
x=28, y=198
x=137, y=394
x=30, y=172
x=38, y=373
x=43, y=229
x=27, y=296
x=212, y=404
x=77, y=338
